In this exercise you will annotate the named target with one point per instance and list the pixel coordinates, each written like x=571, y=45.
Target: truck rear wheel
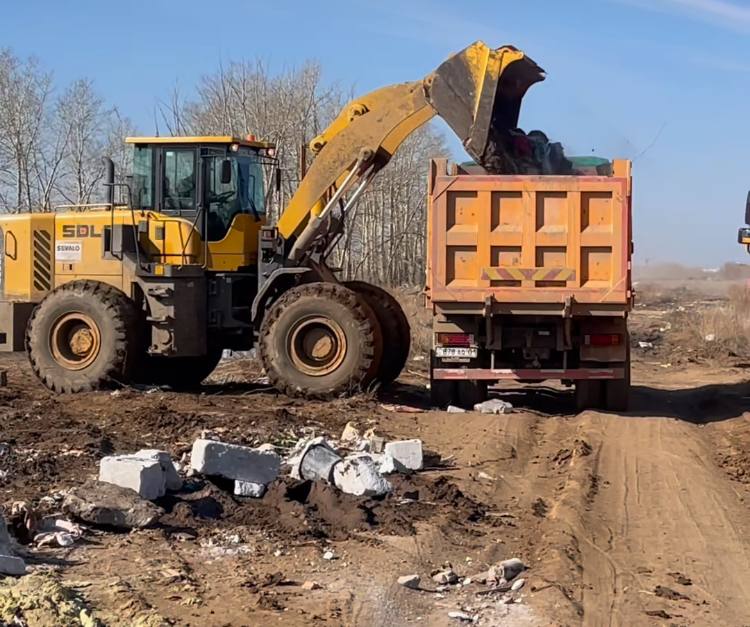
x=321, y=340
x=589, y=394
x=617, y=391
x=470, y=393
x=395, y=327
x=83, y=336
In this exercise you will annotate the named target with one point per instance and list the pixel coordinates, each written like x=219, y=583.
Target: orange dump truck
x=529, y=279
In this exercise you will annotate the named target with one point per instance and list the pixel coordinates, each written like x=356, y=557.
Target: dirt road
x=637, y=519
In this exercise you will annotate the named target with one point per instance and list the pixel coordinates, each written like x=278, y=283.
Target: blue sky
x=663, y=82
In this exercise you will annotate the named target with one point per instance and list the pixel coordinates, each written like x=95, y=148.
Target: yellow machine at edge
x=153, y=290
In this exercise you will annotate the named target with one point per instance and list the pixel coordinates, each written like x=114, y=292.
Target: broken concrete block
x=173, y=480
x=409, y=581
x=387, y=465
x=316, y=461
x=406, y=453
x=248, y=488
x=145, y=476
x=110, y=505
x=232, y=461
x=359, y=475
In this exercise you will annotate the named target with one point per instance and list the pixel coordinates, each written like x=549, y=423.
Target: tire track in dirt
x=661, y=505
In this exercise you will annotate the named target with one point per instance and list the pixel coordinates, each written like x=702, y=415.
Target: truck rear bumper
x=513, y=374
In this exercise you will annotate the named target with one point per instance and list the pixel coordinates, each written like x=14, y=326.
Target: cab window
x=179, y=180
x=235, y=185
x=143, y=177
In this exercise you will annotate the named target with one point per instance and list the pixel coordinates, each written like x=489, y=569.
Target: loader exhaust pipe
x=109, y=181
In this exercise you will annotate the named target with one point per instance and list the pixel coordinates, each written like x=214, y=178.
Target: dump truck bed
x=529, y=239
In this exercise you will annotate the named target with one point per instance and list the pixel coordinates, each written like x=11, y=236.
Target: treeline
x=52, y=141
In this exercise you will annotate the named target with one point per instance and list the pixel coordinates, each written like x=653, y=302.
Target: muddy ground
x=635, y=519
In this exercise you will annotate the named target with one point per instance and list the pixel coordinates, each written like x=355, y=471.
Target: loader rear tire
x=83, y=336
x=321, y=340
x=179, y=373
x=395, y=327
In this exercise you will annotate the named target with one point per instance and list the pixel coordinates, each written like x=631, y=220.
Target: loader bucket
x=478, y=92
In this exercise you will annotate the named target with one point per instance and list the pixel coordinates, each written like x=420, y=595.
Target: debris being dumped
x=10, y=563
x=109, y=505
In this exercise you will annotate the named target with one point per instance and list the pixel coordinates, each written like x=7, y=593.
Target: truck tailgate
x=530, y=239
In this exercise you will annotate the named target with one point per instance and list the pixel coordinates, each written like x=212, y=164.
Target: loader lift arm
x=477, y=91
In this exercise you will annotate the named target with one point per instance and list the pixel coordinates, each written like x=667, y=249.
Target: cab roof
x=248, y=141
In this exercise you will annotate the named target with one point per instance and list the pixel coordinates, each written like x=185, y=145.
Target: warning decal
x=68, y=251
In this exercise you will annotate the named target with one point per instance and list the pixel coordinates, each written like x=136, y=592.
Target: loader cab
x=217, y=183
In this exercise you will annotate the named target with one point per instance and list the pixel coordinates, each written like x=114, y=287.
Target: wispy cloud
x=723, y=13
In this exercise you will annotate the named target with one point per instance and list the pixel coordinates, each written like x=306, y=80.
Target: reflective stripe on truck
x=514, y=374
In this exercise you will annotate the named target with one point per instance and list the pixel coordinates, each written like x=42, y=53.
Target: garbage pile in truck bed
x=518, y=152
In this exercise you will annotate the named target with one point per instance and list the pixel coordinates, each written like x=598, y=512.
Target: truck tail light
x=455, y=339
x=603, y=339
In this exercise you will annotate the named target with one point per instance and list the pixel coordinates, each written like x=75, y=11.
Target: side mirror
x=747, y=209
x=278, y=181
x=226, y=171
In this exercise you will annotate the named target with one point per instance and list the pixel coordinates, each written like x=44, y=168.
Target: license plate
x=454, y=352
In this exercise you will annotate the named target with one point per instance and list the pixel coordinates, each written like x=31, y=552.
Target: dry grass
x=723, y=328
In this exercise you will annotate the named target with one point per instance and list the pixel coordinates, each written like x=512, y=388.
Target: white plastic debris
x=452, y=409
x=711, y=337
x=494, y=406
x=645, y=344
x=462, y=616
x=518, y=584
x=328, y=556
x=249, y=489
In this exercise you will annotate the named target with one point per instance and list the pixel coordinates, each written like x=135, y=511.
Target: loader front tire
x=395, y=327
x=321, y=340
x=83, y=336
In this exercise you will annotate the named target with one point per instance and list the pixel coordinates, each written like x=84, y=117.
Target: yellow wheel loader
x=155, y=289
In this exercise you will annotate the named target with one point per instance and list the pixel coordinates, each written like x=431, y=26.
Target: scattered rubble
x=452, y=409
x=494, y=406
x=444, y=577
x=40, y=599
x=248, y=488
x=54, y=531
x=462, y=616
x=110, y=505
x=328, y=556
x=311, y=585
x=350, y=433
x=409, y=581
x=232, y=461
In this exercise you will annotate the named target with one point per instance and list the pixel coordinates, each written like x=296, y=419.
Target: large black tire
x=395, y=327
x=84, y=336
x=589, y=394
x=617, y=391
x=179, y=373
x=321, y=340
x=442, y=393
